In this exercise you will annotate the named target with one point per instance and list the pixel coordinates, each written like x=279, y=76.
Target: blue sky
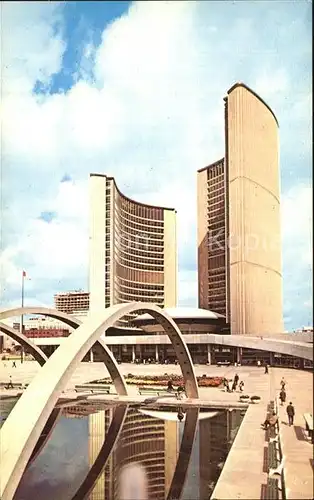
x=135, y=90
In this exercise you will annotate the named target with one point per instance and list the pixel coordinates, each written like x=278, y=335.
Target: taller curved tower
x=254, y=233
x=133, y=249
x=239, y=234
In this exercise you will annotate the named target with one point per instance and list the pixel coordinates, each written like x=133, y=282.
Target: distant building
x=43, y=327
x=76, y=302
x=47, y=332
x=305, y=329
x=39, y=322
x=239, y=240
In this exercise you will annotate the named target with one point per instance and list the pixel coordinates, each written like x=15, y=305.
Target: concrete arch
x=167, y=323
x=106, y=354
x=35, y=351
x=17, y=441
x=45, y=311
x=41, y=358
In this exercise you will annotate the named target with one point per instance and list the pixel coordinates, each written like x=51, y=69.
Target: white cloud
x=297, y=225
x=57, y=250
x=24, y=61
x=147, y=108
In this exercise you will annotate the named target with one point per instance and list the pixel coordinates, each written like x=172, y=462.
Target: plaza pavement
x=244, y=473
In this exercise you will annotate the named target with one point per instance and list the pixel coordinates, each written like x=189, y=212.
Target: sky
x=135, y=90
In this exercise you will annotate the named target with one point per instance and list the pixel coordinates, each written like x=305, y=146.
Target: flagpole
x=21, y=324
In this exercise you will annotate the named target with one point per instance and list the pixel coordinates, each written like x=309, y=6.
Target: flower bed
x=162, y=380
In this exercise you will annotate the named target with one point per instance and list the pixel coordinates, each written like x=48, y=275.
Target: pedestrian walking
x=234, y=386
x=10, y=384
x=290, y=413
x=170, y=387
x=283, y=384
x=282, y=396
x=266, y=368
x=241, y=385
x=180, y=392
x=236, y=379
x=14, y=364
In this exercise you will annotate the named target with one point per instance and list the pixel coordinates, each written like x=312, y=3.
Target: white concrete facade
x=97, y=243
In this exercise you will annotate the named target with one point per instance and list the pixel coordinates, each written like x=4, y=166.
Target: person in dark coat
x=282, y=396
x=170, y=387
x=266, y=368
x=290, y=413
x=226, y=384
x=236, y=379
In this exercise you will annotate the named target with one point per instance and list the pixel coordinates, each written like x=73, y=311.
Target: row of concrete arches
x=20, y=444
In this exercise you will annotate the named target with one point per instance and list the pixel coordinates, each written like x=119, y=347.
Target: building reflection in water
x=176, y=467
x=181, y=459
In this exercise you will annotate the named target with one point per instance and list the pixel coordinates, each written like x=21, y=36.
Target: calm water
x=180, y=459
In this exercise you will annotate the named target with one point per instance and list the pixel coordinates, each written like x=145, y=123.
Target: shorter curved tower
x=133, y=249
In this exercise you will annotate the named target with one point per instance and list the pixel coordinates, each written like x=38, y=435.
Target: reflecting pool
x=98, y=452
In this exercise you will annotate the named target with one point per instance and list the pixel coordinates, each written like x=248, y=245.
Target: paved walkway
x=297, y=449
x=244, y=473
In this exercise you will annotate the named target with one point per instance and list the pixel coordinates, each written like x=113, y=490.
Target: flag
x=24, y=274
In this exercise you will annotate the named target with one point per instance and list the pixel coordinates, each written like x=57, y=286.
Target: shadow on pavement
x=299, y=432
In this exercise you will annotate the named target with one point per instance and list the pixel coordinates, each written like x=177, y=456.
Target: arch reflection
x=154, y=443
x=181, y=470
x=104, y=453
x=178, y=459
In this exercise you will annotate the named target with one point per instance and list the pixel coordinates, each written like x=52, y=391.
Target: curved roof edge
x=184, y=313
x=240, y=84
x=130, y=199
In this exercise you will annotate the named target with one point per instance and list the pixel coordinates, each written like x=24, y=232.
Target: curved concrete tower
x=253, y=214
x=239, y=240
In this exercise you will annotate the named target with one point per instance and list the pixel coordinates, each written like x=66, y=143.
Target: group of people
x=179, y=392
x=272, y=419
x=234, y=384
